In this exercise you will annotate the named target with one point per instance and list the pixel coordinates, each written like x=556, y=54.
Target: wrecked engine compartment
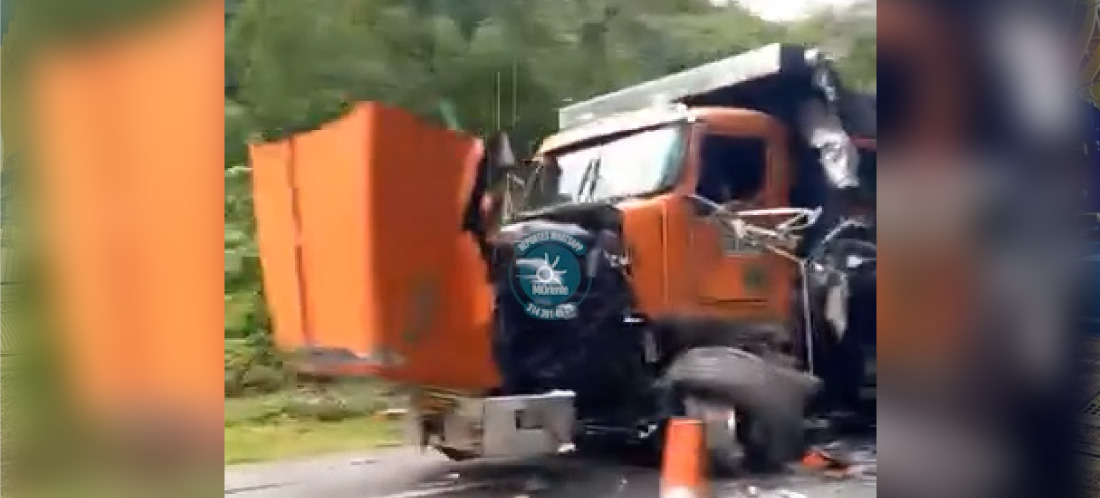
x=844, y=337
x=605, y=353
x=598, y=354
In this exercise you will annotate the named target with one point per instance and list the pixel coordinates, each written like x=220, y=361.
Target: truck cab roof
x=628, y=122
x=773, y=79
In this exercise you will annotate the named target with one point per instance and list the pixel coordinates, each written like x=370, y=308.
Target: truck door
x=741, y=164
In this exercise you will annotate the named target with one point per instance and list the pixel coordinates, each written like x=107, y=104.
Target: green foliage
x=293, y=65
x=244, y=309
x=252, y=365
x=77, y=19
x=353, y=399
x=502, y=63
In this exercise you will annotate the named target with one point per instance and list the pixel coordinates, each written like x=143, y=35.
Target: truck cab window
x=544, y=187
x=732, y=168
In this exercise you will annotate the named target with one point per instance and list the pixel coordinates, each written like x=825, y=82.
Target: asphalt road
x=407, y=473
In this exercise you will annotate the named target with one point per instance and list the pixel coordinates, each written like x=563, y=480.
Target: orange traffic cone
x=683, y=472
x=815, y=460
x=829, y=465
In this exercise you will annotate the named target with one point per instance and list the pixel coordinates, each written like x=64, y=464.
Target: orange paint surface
x=129, y=147
x=678, y=262
x=275, y=235
x=383, y=269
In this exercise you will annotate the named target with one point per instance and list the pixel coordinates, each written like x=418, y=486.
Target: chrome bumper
x=501, y=426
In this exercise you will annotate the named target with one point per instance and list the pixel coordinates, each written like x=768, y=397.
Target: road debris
x=843, y=459
x=756, y=492
x=390, y=414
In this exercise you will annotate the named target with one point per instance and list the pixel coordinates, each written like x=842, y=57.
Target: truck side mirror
x=496, y=162
x=500, y=154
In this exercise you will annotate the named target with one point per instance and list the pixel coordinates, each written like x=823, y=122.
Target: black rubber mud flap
x=770, y=399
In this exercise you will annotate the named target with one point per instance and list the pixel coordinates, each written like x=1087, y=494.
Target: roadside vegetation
x=271, y=413
x=300, y=423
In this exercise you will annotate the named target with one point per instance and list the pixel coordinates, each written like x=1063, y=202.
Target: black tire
x=769, y=398
x=455, y=455
x=724, y=450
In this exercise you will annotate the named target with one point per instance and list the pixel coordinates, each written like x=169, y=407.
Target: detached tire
x=769, y=399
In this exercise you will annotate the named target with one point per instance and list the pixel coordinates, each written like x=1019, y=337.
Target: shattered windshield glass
x=636, y=164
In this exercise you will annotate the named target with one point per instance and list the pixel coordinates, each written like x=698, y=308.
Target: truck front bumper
x=498, y=426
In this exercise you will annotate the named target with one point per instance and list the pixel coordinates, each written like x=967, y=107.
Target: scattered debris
x=843, y=459
x=391, y=414
x=755, y=492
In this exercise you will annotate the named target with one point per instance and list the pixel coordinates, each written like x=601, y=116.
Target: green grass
x=288, y=425
x=298, y=438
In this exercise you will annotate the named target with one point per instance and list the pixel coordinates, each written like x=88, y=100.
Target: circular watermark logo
x=548, y=276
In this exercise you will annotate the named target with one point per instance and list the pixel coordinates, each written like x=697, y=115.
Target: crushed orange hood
x=366, y=268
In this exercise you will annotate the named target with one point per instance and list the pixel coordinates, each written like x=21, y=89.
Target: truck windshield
x=636, y=164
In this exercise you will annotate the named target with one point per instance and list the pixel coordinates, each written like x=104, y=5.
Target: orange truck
x=674, y=249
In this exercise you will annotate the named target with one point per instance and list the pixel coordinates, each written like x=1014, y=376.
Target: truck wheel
x=721, y=427
x=768, y=398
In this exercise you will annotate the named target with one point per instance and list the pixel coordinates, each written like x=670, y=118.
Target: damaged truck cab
x=712, y=282
x=715, y=273
x=654, y=166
